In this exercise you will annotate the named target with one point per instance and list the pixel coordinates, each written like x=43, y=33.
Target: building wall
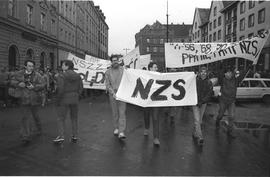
x=218, y=5
x=196, y=31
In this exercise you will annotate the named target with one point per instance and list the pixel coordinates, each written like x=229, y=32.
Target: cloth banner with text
x=92, y=71
x=154, y=89
x=180, y=55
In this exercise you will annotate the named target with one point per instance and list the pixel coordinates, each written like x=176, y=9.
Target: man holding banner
x=113, y=78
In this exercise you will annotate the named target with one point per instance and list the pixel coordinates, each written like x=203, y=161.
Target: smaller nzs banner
x=154, y=89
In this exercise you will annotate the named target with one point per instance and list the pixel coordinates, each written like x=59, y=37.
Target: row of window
x=251, y=4
x=251, y=19
x=216, y=36
x=155, y=49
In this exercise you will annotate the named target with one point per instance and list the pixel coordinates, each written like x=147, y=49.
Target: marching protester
x=113, y=77
x=69, y=88
x=229, y=82
x=204, y=93
x=27, y=85
x=152, y=112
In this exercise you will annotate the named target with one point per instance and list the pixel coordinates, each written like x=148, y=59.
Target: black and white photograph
x=134, y=88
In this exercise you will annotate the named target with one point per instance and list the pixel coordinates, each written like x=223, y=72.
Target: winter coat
x=28, y=97
x=204, y=90
x=69, y=87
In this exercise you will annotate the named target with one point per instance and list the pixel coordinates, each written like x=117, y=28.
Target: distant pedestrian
x=228, y=81
x=113, y=77
x=69, y=88
x=27, y=85
x=204, y=93
x=153, y=112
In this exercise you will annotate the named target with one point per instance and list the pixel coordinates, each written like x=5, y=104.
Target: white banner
x=154, y=89
x=130, y=60
x=91, y=70
x=179, y=55
x=143, y=62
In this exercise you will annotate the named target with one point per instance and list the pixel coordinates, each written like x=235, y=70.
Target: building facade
x=231, y=21
x=46, y=31
x=151, y=39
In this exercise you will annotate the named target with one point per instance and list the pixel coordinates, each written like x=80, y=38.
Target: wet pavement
x=98, y=152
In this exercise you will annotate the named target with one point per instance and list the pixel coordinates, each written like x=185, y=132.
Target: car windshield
x=267, y=83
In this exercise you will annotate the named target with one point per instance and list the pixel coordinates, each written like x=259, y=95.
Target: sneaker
x=116, y=132
x=146, y=132
x=156, y=142
x=121, y=135
x=74, y=139
x=58, y=139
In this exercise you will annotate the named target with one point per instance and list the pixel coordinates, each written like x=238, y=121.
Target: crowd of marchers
x=31, y=89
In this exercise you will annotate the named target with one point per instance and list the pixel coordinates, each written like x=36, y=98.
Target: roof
x=204, y=13
x=227, y=4
x=180, y=30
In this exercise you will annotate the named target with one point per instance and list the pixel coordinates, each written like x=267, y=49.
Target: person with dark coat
x=69, y=88
x=229, y=82
x=28, y=85
x=204, y=94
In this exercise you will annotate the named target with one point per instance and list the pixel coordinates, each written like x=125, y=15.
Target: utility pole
x=167, y=26
x=126, y=49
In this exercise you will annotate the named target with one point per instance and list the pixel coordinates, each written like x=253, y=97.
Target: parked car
x=251, y=88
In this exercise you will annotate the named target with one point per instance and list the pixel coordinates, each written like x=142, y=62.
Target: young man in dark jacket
x=204, y=93
x=229, y=82
x=69, y=88
x=28, y=84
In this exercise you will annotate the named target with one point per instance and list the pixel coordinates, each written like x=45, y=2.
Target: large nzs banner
x=154, y=89
x=92, y=71
x=179, y=55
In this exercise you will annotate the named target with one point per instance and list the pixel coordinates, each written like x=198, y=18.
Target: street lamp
x=126, y=49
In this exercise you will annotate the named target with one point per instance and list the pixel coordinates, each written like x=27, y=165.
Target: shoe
x=156, y=142
x=74, y=139
x=116, y=132
x=146, y=132
x=121, y=135
x=58, y=139
x=200, y=141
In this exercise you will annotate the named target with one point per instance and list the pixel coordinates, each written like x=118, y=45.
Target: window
x=148, y=40
x=155, y=41
x=161, y=49
x=242, y=7
x=53, y=27
x=251, y=4
x=11, y=8
x=195, y=34
x=155, y=49
x=214, y=37
x=210, y=26
x=219, y=34
x=250, y=35
x=161, y=41
x=242, y=24
x=219, y=21
x=256, y=84
x=198, y=34
x=215, y=24
x=29, y=11
x=244, y=84
x=267, y=83
x=42, y=21
x=195, y=25
x=215, y=11
x=210, y=38
x=251, y=20
x=261, y=16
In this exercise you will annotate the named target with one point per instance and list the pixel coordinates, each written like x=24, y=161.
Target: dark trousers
x=27, y=112
x=154, y=113
x=230, y=107
x=62, y=113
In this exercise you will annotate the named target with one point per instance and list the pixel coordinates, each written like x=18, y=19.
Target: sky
x=126, y=17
